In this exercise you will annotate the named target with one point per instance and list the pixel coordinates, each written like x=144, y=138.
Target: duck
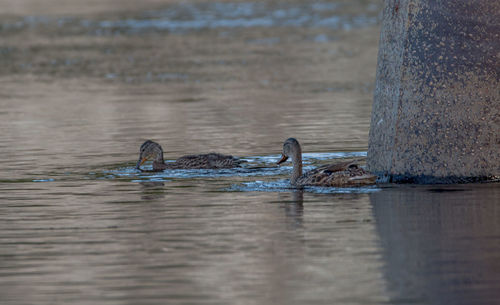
x=342, y=174
x=151, y=150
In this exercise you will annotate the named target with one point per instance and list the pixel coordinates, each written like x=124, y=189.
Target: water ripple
x=255, y=166
x=284, y=186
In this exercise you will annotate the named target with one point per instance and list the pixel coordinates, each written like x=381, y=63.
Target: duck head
x=150, y=151
x=291, y=148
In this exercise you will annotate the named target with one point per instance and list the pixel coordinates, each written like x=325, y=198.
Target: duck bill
x=140, y=162
x=283, y=159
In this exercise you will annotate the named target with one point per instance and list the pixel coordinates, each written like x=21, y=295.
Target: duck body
x=337, y=175
x=342, y=174
x=202, y=161
x=152, y=151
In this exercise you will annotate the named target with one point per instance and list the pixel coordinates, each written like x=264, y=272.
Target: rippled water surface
x=83, y=85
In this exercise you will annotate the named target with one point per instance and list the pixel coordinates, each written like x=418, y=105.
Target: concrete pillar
x=436, y=110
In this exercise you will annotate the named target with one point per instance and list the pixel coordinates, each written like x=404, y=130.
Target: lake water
x=83, y=86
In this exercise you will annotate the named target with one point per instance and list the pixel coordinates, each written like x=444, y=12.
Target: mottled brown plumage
x=152, y=151
x=335, y=175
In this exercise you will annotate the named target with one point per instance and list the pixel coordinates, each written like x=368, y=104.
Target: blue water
x=212, y=15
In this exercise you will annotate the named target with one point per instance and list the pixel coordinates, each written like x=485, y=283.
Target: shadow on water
x=440, y=244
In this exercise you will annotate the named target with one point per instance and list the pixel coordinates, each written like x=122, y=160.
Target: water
x=84, y=86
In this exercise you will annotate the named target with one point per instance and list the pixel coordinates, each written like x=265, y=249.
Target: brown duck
x=335, y=175
x=152, y=151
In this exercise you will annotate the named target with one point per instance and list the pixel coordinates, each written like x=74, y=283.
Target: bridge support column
x=436, y=111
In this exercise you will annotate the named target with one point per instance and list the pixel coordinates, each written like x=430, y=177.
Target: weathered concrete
x=437, y=97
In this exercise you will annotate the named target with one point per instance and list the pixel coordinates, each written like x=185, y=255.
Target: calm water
x=79, y=225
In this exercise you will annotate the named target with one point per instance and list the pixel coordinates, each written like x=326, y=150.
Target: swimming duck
x=152, y=151
x=335, y=175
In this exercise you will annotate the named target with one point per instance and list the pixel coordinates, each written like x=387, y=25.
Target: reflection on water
x=184, y=241
x=153, y=190
x=294, y=208
x=440, y=244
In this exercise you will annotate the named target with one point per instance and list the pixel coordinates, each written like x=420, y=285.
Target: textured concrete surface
x=437, y=98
